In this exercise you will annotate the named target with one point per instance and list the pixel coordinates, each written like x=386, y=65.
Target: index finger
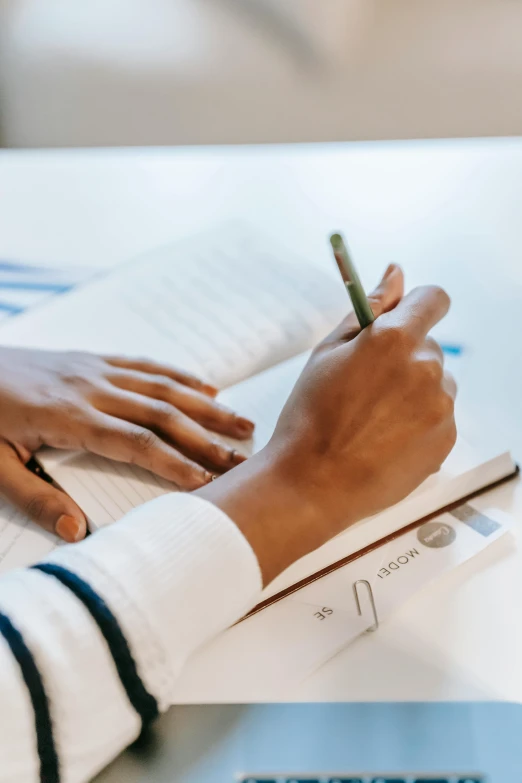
x=154, y=368
x=383, y=298
x=419, y=311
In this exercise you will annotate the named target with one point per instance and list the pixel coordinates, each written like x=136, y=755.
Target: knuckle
x=440, y=410
x=76, y=367
x=187, y=468
x=440, y=294
x=451, y=438
x=444, y=444
x=431, y=372
x=191, y=380
x=433, y=417
x=141, y=439
x=382, y=331
x=394, y=338
x=187, y=474
x=94, y=432
x=78, y=380
x=163, y=414
x=433, y=346
x=214, y=450
x=37, y=507
x=160, y=387
x=219, y=453
x=65, y=410
x=77, y=356
x=447, y=405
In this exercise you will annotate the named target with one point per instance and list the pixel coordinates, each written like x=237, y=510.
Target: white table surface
x=451, y=213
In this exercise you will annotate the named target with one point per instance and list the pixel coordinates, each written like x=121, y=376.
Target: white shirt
x=174, y=573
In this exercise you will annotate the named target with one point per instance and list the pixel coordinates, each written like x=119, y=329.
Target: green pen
x=360, y=302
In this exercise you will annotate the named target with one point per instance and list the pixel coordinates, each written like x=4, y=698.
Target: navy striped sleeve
x=142, y=701
x=49, y=765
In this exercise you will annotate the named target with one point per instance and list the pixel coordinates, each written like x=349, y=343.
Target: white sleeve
x=171, y=574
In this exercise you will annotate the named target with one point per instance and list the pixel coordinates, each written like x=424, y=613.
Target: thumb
x=44, y=504
x=382, y=299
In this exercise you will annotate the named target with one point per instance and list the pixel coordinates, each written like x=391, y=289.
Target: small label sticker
x=475, y=519
x=436, y=534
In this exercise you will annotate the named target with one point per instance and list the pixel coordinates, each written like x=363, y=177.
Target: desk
x=451, y=213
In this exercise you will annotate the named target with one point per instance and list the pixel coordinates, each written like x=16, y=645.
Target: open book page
x=224, y=305
x=22, y=543
x=104, y=490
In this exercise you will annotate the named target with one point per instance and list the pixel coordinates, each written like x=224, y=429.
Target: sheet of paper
x=274, y=650
x=22, y=543
x=104, y=490
x=224, y=305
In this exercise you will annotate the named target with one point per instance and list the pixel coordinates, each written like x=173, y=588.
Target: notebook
x=238, y=310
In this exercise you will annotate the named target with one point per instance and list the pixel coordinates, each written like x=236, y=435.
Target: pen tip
x=336, y=241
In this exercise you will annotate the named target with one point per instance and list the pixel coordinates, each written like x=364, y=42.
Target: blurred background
x=162, y=72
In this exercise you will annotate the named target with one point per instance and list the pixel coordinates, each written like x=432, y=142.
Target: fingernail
x=236, y=458
x=389, y=271
x=244, y=426
x=208, y=477
x=228, y=456
x=68, y=528
x=207, y=388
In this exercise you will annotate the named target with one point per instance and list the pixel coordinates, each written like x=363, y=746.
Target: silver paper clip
x=372, y=602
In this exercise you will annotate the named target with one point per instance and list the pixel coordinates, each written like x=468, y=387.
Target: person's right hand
x=369, y=419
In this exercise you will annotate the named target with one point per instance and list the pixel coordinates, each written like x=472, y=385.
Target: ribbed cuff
x=175, y=572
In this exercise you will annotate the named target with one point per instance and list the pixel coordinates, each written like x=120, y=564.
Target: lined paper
x=22, y=543
x=105, y=490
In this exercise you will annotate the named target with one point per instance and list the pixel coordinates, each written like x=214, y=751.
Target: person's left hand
x=129, y=410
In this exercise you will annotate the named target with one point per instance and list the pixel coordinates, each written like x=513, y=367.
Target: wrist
x=279, y=519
